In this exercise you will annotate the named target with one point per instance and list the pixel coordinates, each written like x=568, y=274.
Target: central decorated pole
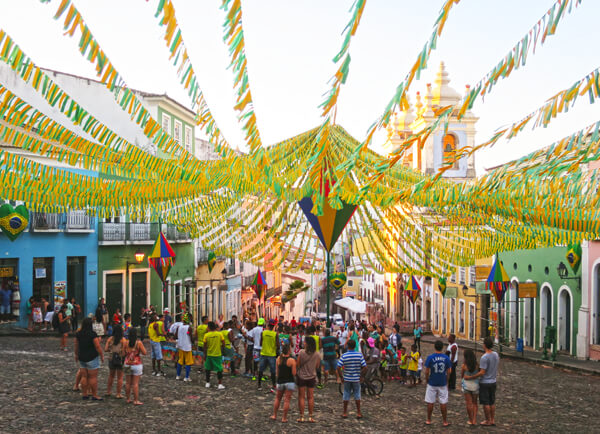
x=327, y=287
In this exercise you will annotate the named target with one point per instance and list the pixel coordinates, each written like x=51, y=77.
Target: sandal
x=273, y=417
x=300, y=419
x=138, y=403
x=85, y=398
x=359, y=416
x=97, y=399
x=119, y=396
x=344, y=416
x=311, y=420
x=284, y=420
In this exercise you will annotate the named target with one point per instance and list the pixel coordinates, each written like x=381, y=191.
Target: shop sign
x=60, y=292
x=6, y=271
x=528, y=289
x=348, y=293
x=451, y=292
x=481, y=289
x=482, y=272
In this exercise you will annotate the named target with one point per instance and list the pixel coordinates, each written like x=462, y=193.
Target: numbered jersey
x=438, y=365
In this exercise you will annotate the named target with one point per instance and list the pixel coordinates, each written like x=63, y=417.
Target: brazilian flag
x=212, y=260
x=574, y=256
x=337, y=280
x=442, y=285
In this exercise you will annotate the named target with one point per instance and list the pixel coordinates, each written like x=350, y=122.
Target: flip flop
x=344, y=416
x=119, y=397
x=300, y=420
x=311, y=420
x=85, y=398
x=97, y=399
x=138, y=403
x=272, y=418
x=447, y=424
x=359, y=416
x=427, y=422
x=284, y=420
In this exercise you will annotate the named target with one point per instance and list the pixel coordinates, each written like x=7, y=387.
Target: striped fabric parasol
x=162, y=257
x=413, y=289
x=498, y=281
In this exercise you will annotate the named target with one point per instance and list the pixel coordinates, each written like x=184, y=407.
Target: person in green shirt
x=213, y=345
x=201, y=331
x=268, y=354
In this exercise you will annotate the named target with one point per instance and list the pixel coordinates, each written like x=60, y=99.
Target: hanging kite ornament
x=162, y=258
x=13, y=221
x=498, y=281
x=212, y=260
x=574, y=256
x=442, y=285
x=413, y=289
x=337, y=280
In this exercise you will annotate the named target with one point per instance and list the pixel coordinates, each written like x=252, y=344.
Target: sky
x=290, y=45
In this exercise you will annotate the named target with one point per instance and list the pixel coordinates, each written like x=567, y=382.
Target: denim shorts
x=156, y=350
x=286, y=386
x=351, y=389
x=267, y=360
x=92, y=364
x=329, y=365
x=135, y=370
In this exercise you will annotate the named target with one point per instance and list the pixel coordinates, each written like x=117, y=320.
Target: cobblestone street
x=37, y=379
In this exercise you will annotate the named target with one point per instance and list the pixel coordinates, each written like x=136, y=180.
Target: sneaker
x=161, y=374
x=272, y=390
x=178, y=377
x=265, y=379
x=253, y=378
x=220, y=387
x=320, y=386
x=207, y=385
x=187, y=380
x=259, y=388
x=154, y=373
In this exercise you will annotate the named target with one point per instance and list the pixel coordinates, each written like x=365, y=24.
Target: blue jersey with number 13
x=438, y=365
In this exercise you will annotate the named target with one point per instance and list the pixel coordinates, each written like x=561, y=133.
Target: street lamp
x=139, y=256
x=562, y=270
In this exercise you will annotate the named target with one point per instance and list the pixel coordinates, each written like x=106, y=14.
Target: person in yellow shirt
x=268, y=354
x=156, y=333
x=403, y=362
x=413, y=365
x=214, y=342
x=201, y=331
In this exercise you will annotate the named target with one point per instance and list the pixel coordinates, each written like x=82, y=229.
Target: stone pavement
x=563, y=361
x=36, y=396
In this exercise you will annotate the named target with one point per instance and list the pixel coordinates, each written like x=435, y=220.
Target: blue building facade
x=57, y=252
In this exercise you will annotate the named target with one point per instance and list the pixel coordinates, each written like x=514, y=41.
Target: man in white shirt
x=452, y=352
x=185, y=336
x=255, y=335
x=342, y=335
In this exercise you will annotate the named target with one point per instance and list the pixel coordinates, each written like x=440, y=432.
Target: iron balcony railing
x=137, y=232
x=70, y=221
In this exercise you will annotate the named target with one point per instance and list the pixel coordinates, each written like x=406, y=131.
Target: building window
x=453, y=276
x=462, y=275
x=449, y=145
x=472, y=277
x=461, y=317
x=350, y=283
x=166, y=123
x=177, y=131
x=452, y=315
x=187, y=139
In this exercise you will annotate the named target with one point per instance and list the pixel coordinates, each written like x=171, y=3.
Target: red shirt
x=293, y=323
x=116, y=318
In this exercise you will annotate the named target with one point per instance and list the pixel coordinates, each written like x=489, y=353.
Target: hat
x=271, y=322
x=371, y=342
x=166, y=309
x=261, y=321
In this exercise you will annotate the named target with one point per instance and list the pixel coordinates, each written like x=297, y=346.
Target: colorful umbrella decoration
x=442, y=285
x=330, y=225
x=337, y=280
x=413, y=289
x=212, y=260
x=498, y=281
x=259, y=283
x=162, y=258
x=574, y=256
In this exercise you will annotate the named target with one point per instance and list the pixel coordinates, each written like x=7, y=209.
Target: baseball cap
x=261, y=321
x=371, y=342
x=271, y=322
x=166, y=310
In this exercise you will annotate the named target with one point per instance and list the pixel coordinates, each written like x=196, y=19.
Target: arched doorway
x=529, y=321
x=564, y=320
x=545, y=310
x=512, y=305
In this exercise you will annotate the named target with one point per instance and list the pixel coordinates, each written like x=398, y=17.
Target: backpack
x=116, y=360
x=55, y=322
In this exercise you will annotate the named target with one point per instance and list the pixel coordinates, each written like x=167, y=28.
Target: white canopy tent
x=352, y=305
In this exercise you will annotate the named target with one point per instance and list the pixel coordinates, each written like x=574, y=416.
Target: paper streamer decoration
x=13, y=221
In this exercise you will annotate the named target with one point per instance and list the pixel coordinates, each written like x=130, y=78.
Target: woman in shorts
x=285, y=371
x=114, y=347
x=308, y=363
x=470, y=387
x=133, y=367
x=88, y=353
x=64, y=326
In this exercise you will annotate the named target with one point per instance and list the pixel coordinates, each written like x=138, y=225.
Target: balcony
x=137, y=233
x=72, y=221
x=202, y=255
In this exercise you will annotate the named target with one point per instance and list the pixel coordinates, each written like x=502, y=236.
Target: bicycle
x=373, y=386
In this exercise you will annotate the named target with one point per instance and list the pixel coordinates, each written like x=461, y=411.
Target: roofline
x=137, y=91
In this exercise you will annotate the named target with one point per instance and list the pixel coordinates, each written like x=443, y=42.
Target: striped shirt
x=352, y=362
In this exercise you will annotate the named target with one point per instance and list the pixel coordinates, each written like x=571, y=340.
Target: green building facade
x=556, y=303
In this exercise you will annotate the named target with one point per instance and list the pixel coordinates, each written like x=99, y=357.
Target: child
x=403, y=360
x=413, y=365
x=156, y=335
x=126, y=325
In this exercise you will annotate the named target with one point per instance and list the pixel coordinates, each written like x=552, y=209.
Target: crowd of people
x=298, y=357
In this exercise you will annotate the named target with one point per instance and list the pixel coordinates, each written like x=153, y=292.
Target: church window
x=449, y=146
